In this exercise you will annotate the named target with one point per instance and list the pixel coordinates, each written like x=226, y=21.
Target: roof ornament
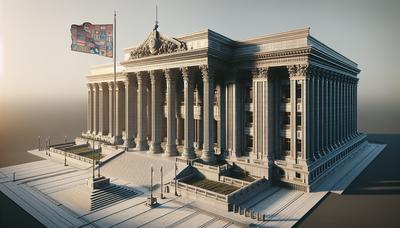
x=156, y=22
x=157, y=44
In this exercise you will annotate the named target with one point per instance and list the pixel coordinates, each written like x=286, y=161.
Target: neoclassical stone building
x=285, y=102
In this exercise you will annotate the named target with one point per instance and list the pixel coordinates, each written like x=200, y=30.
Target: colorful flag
x=94, y=39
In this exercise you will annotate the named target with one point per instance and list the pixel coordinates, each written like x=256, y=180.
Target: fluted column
x=171, y=76
x=95, y=88
x=317, y=97
x=293, y=126
x=339, y=111
x=334, y=111
x=103, y=115
x=327, y=113
x=208, y=104
x=324, y=90
x=120, y=112
x=237, y=124
x=343, y=111
x=89, y=112
x=222, y=119
x=311, y=117
x=149, y=112
x=188, y=81
x=111, y=108
x=330, y=112
x=141, y=140
x=130, y=92
x=354, y=108
x=348, y=124
x=157, y=111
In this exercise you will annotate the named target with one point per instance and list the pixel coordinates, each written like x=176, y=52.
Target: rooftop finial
x=156, y=22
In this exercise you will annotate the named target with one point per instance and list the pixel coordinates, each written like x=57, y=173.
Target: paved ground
x=55, y=195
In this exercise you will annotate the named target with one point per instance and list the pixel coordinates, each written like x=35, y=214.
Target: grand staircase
x=109, y=195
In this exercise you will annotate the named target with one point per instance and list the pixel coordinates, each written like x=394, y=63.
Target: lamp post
x=151, y=184
x=45, y=145
x=65, y=158
x=176, y=168
x=98, y=168
x=39, y=142
x=162, y=184
x=93, y=158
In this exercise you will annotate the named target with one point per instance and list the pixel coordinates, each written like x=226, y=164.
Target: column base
x=170, y=150
x=118, y=140
x=188, y=153
x=142, y=145
x=155, y=148
x=208, y=159
x=128, y=143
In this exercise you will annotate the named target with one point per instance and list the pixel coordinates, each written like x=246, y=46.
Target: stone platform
x=55, y=195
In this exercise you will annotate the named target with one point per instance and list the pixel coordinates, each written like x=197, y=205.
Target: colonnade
x=323, y=112
x=139, y=112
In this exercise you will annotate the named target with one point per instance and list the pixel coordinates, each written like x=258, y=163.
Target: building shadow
x=382, y=176
x=377, y=187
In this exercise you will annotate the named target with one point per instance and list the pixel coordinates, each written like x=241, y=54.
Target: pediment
x=157, y=44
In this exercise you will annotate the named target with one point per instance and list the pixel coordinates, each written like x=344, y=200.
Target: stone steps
x=109, y=195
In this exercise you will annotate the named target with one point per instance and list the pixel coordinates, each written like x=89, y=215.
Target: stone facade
x=285, y=101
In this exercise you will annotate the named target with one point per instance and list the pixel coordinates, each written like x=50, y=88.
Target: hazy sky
x=36, y=62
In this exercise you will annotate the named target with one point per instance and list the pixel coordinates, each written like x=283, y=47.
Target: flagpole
x=115, y=75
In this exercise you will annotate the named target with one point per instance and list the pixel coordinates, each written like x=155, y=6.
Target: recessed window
x=298, y=175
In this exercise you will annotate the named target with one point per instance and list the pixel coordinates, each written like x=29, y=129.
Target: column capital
x=299, y=70
x=95, y=86
x=155, y=75
x=142, y=77
x=170, y=74
x=207, y=72
x=110, y=85
x=188, y=73
x=126, y=83
x=261, y=72
x=89, y=86
x=101, y=86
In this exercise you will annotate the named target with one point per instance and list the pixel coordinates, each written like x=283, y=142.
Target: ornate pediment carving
x=157, y=44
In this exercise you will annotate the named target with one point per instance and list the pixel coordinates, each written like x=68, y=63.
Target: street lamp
x=176, y=168
x=93, y=158
x=151, y=184
x=39, y=142
x=162, y=184
x=65, y=158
